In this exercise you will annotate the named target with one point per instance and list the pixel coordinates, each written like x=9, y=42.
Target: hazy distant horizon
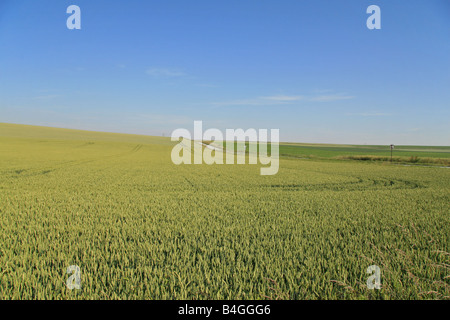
x=169, y=134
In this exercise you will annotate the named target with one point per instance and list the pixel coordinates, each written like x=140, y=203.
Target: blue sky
x=309, y=68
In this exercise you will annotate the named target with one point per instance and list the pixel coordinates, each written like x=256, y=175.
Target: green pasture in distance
x=330, y=151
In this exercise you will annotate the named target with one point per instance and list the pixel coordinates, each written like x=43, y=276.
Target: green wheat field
x=140, y=227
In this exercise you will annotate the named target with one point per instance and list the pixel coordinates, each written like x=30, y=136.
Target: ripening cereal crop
x=140, y=227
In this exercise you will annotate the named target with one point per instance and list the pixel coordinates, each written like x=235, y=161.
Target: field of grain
x=140, y=227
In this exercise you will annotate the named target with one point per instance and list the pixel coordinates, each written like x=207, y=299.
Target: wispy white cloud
x=370, y=114
x=164, y=72
x=283, y=98
x=46, y=97
x=250, y=102
x=322, y=91
x=330, y=98
x=207, y=85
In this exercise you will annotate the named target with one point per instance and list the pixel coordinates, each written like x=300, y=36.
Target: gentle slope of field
x=140, y=227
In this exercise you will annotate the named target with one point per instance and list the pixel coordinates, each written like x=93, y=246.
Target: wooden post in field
x=392, y=148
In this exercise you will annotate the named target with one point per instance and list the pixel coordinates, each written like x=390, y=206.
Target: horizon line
x=281, y=142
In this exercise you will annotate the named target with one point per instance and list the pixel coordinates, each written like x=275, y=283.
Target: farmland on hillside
x=140, y=227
